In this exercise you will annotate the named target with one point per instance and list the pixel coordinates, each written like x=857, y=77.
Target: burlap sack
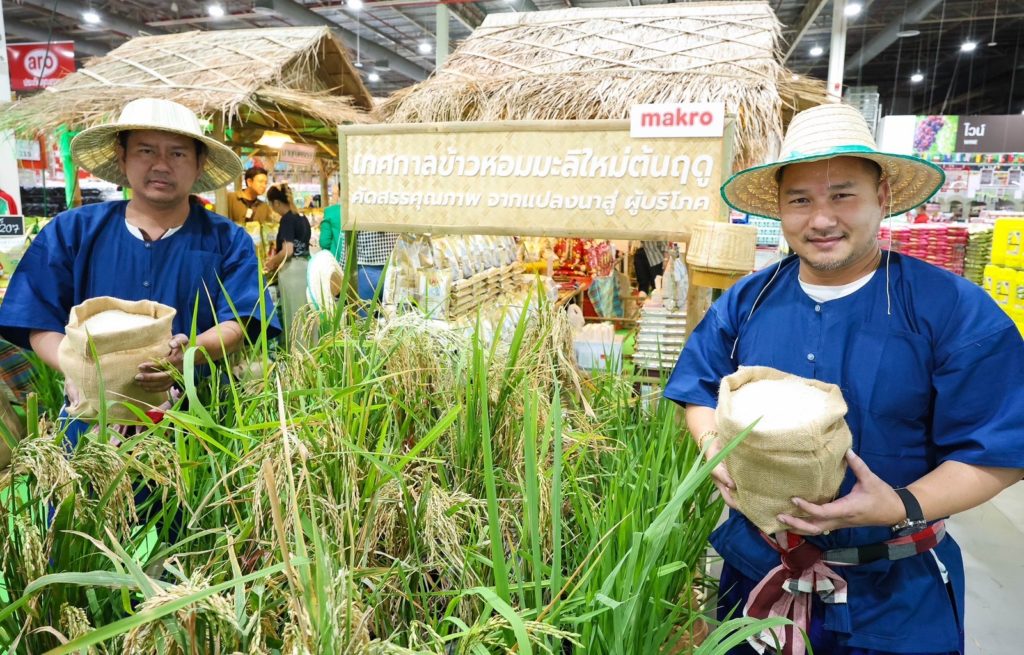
x=120, y=354
x=770, y=467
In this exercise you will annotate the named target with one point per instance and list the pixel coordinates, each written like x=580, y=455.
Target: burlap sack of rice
x=797, y=449
x=124, y=335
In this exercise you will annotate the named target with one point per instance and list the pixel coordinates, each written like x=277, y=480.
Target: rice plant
x=381, y=489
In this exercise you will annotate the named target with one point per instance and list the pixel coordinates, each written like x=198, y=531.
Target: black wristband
x=915, y=517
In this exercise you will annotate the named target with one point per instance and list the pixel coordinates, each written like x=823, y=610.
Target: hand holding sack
x=124, y=335
x=797, y=449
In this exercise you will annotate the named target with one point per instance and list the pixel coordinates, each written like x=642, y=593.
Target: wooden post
x=220, y=204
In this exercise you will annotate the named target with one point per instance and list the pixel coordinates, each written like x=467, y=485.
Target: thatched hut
x=295, y=80
x=597, y=63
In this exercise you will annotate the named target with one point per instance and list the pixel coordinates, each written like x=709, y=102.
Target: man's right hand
x=719, y=475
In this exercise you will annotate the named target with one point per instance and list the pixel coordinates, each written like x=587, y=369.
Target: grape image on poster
x=936, y=135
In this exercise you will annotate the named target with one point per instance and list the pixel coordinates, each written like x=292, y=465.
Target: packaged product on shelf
x=401, y=282
x=435, y=289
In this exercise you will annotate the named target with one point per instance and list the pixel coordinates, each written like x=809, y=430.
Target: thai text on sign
x=584, y=178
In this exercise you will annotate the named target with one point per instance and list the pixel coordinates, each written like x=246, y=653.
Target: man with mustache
x=930, y=369
x=160, y=245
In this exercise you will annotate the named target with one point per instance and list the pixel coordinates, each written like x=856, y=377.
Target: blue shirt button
x=810, y=357
x=148, y=244
x=817, y=308
x=146, y=284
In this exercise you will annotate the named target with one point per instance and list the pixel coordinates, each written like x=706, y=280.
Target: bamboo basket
x=722, y=247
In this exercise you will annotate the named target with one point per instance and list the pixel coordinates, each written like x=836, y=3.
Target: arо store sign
x=39, y=65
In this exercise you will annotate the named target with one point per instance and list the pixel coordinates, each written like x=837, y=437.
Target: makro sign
x=39, y=65
x=990, y=134
x=539, y=178
x=675, y=120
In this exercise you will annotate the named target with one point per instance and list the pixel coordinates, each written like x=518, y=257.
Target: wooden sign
x=544, y=178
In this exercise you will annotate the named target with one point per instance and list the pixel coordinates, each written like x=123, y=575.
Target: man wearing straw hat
x=929, y=368
x=160, y=245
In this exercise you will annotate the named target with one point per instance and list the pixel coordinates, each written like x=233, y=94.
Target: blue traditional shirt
x=207, y=269
x=930, y=368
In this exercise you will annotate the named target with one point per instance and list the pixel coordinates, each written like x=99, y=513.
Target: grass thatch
x=597, y=63
x=261, y=77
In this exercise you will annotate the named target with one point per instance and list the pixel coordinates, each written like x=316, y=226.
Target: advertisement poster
x=936, y=135
x=39, y=65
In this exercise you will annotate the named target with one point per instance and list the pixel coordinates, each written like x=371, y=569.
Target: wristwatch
x=915, y=517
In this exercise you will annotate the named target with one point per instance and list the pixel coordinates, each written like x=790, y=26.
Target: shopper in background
x=288, y=264
x=332, y=238
x=373, y=249
x=158, y=246
x=245, y=206
x=928, y=365
x=649, y=263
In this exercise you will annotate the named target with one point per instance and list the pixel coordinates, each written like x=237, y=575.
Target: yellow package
x=1013, y=257
x=989, y=279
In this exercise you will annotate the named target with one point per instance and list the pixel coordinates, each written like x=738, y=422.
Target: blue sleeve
x=41, y=292
x=979, y=403
x=242, y=293
x=705, y=360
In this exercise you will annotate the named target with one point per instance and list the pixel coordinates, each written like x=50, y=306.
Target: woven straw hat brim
x=912, y=181
x=94, y=149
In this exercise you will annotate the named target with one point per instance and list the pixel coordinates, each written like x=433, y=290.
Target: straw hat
x=824, y=132
x=94, y=149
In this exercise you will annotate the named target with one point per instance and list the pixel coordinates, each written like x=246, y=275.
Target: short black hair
x=869, y=164
x=253, y=172
x=122, y=138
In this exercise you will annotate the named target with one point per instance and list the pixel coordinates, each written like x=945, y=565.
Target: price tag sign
x=12, y=226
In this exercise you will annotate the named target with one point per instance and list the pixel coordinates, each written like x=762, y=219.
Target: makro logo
x=678, y=117
x=41, y=63
x=678, y=120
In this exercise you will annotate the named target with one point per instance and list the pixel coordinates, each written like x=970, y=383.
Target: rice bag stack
x=797, y=448
x=106, y=340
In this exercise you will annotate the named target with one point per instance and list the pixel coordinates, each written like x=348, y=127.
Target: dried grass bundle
x=597, y=63
x=300, y=70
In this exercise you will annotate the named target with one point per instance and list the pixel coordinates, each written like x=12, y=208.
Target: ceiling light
x=425, y=48
x=90, y=16
x=916, y=77
x=817, y=51
x=215, y=10
x=373, y=77
x=795, y=77
x=853, y=9
x=968, y=46
x=355, y=5
x=905, y=34
x=358, y=64
x=274, y=140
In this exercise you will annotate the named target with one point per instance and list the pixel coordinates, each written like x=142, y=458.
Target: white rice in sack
x=124, y=334
x=798, y=447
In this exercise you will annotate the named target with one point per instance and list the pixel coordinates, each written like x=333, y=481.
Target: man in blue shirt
x=160, y=245
x=930, y=369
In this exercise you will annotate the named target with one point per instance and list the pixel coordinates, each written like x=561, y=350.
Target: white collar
x=823, y=293
x=137, y=233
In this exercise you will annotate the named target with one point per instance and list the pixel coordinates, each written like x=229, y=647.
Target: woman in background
x=289, y=263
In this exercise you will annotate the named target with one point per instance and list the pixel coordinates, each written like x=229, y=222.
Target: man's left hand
x=872, y=501
x=160, y=376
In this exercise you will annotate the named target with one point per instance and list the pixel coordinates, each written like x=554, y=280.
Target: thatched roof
x=296, y=80
x=597, y=63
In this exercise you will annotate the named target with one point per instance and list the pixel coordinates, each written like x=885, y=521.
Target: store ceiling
x=386, y=37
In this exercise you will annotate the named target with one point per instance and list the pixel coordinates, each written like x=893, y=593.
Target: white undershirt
x=821, y=293
x=137, y=233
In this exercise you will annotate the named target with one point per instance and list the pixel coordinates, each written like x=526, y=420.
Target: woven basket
x=722, y=247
